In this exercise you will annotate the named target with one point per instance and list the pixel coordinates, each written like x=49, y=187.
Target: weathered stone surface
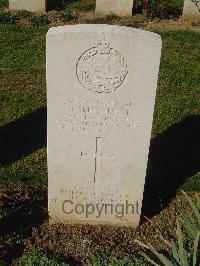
x=34, y=5
x=101, y=87
x=118, y=7
x=30, y=5
x=191, y=10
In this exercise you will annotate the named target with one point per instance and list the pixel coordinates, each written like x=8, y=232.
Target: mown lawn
x=23, y=101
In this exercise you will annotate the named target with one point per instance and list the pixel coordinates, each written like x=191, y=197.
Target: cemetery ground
x=174, y=159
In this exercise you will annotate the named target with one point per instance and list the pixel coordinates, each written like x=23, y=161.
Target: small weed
x=183, y=251
x=6, y=17
x=3, y=3
x=133, y=23
x=67, y=15
x=109, y=19
x=24, y=14
x=40, y=20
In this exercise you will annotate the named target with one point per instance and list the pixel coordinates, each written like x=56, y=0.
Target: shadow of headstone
x=52, y=4
x=22, y=137
x=174, y=156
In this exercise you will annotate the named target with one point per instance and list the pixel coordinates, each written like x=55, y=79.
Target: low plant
x=184, y=250
x=37, y=258
x=108, y=19
x=163, y=9
x=24, y=13
x=40, y=20
x=191, y=221
x=102, y=258
x=3, y=3
x=133, y=23
x=67, y=15
x=6, y=17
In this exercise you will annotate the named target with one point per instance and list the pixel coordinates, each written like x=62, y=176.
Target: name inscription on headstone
x=96, y=115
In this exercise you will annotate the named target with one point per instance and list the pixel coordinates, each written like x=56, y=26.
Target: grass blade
x=198, y=201
x=149, y=260
x=196, y=244
x=175, y=252
x=189, y=225
x=194, y=208
x=162, y=258
x=181, y=251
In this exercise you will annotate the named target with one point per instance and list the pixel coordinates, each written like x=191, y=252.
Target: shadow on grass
x=23, y=137
x=174, y=156
x=22, y=211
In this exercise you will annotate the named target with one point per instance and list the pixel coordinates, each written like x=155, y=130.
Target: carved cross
x=97, y=156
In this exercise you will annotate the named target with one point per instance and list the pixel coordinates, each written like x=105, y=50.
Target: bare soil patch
x=25, y=225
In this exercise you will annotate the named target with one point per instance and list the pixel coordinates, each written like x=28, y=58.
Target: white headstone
x=30, y=5
x=118, y=7
x=101, y=87
x=191, y=9
x=34, y=5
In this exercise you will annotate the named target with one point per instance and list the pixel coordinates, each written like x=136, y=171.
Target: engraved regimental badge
x=101, y=69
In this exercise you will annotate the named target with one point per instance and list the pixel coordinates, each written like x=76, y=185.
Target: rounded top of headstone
x=104, y=28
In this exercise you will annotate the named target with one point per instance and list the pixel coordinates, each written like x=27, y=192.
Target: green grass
x=179, y=89
x=23, y=90
x=22, y=65
x=37, y=258
x=102, y=257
